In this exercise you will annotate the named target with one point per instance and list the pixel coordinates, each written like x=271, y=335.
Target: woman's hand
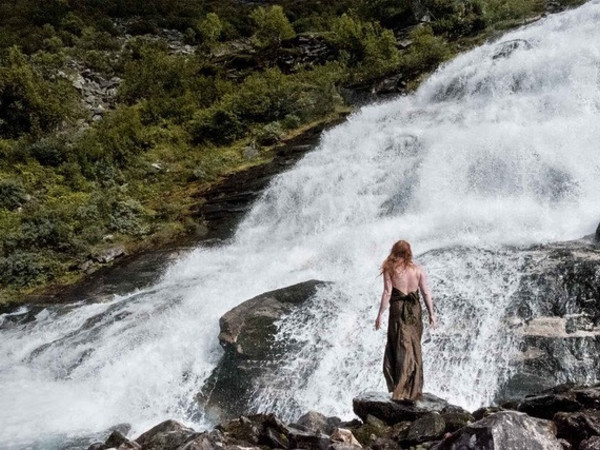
x=433, y=321
x=378, y=322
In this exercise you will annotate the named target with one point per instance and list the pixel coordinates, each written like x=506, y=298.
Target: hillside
x=118, y=116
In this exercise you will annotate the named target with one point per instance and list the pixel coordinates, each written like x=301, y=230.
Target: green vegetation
x=75, y=181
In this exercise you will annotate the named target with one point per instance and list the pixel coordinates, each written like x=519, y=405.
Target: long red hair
x=400, y=255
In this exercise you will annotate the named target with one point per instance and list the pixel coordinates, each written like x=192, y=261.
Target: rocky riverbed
x=564, y=417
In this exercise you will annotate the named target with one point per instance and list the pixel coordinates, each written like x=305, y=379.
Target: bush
x=49, y=152
x=12, y=194
x=30, y=104
x=426, y=52
x=457, y=18
x=24, y=268
x=217, y=125
x=272, y=26
x=366, y=46
x=209, y=30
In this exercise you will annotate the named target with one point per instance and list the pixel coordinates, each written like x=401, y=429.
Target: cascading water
x=498, y=148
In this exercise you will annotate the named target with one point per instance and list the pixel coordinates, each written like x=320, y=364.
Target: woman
x=402, y=281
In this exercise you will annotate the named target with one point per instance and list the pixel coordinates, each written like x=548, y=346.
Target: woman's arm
x=385, y=298
x=424, y=287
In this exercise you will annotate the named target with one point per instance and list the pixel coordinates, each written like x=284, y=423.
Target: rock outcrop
x=558, y=306
x=504, y=430
x=248, y=338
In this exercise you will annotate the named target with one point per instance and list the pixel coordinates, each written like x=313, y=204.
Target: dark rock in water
x=504, y=430
x=598, y=233
x=316, y=421
x=248, y=337
x=165, y=436
x=505, y=49
x=117, y=439
x=426, y=428
x=380, y=405
x=562, y=398
x=578, y=426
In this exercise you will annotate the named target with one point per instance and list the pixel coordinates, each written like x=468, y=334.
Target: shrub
x=209, y=30
x=272, y=26
x=425, y=53
x=30, y=104
x=457, y=18
x=217, y=125
x=24, y=268
x=12, y=194
x=49, y=152
x=369, y=47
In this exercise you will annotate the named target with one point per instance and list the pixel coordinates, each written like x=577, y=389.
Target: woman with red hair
x=402, y=282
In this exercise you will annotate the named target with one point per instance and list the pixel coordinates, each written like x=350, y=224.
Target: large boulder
x=504, y=430
x=563, y=398
x=598, y=233
x=555, y=315
x=576, y=427
x=380, y=405
x=167, y=435
x=248, y=337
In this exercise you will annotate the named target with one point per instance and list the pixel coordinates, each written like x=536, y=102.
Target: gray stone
x=429, y=427
x=592, y=443
x=109, y=254
x=166, y=435
x=316, y=421
x=380, y=405
x=504, y=430
x=578, y=426
x=248, y=337
x=598, y=233
x=456, y=420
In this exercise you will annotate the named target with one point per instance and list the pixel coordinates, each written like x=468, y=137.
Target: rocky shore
x=564, y=417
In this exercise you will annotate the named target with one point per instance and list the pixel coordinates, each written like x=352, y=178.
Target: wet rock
x=504, y=430
x=562, y=398
x=248, y=337
x=578, y=426
x=118, y=440
x=109, y=255
x=505, y=49
x=455, y=420
x=384, y=443
x=316, y=421
x=165, y=436
x=371, y=430
x=380, y=405
x=307, y=439
x=486, y=411
x=592, y=443
x=429, y=427
x=597, y=236
x=345, y=436
x=399, y=431
x=557, y=317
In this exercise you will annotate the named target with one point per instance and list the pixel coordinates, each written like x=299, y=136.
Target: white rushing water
x=489, y=152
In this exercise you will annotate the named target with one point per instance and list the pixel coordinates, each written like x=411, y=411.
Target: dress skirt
x=402, y=363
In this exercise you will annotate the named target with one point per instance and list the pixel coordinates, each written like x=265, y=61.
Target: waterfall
x=497, y=149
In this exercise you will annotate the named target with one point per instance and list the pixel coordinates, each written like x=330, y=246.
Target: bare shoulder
x=419, y=270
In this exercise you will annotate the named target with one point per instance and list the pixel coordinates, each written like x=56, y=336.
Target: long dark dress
x=402, y=363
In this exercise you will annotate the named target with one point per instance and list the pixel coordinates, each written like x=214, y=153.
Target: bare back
x=406, y=279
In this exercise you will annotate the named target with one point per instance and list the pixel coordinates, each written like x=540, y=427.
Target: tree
x=272, y=26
